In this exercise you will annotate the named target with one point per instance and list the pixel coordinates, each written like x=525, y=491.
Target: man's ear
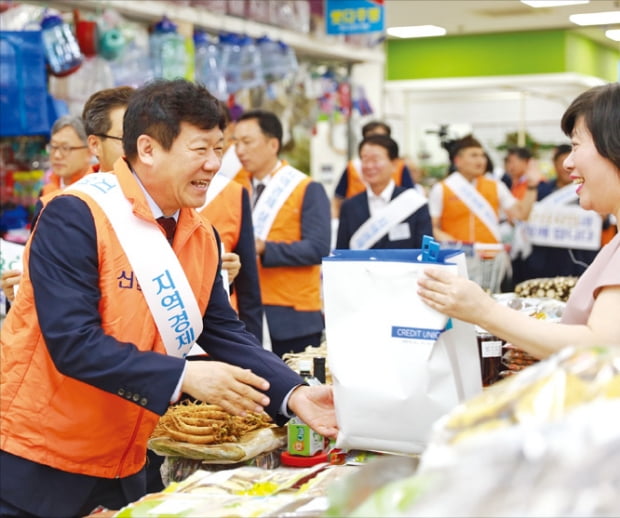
x=146, y=148
x=94, y=145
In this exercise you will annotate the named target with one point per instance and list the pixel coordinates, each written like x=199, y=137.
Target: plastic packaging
x=241, y=62
x=208, y=67
x=61, y=49
x=167, y=51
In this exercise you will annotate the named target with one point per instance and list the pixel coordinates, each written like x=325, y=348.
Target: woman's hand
x=453, y=295
x=8, y=281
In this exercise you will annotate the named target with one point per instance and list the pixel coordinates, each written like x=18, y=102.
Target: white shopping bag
x=397, y=364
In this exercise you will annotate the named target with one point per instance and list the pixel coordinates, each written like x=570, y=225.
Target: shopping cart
x=487, y=263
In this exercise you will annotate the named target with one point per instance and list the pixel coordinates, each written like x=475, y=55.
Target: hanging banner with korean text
x=564, y=227
x=354, y=16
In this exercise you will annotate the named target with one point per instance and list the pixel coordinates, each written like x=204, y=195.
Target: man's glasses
x=104, y=135
x=63, y=149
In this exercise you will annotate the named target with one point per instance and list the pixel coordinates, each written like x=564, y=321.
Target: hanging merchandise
x=112, y=41
x=23, y=84
x=86, y=33
x=167, y=50
x=131, y=67
x=208, y=67
x=241, y=62
x=278, y=60
x=62, y=51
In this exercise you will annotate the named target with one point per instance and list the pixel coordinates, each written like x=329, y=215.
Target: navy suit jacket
x=355, y=212
x=64, y=273
x=285, y=322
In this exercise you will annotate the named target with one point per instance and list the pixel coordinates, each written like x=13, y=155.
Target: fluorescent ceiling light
x=613, y=34
x=553, y=3
x=416, y=31
x=606, y=18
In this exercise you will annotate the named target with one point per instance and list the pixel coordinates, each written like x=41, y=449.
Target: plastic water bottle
x=208, y=67
x=61, y=49
x=273, y=58
x=168, y=56
x=241, y=62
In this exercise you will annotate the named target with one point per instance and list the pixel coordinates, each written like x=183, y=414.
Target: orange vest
x=67, y=424
x=295, y=286
x=458, y=220
x=225, y=213
x=519, y=188
x=54, y=183
x=356, y=185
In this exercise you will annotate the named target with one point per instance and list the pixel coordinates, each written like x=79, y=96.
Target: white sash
x=230, y=163
x=163, y=281
x=564, y=196
x=277, y=191
x=218, y=182
x=475, y=202
x=373, y=229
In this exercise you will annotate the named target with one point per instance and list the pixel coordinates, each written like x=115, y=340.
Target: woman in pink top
x=590, y=318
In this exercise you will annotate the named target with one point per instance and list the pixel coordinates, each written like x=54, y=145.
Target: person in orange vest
x=228, y=208
x=70, y=156
x=103, y=121
x=101, y=130
x=292, y=233
x=351, y=181
x=90, y=367
x=590, y=317
x=516, y=164
x=465, y=206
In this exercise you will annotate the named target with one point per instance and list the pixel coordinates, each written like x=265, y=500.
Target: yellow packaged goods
x=543, y=392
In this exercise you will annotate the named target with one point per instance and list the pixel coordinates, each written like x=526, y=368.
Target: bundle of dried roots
x=201, y=423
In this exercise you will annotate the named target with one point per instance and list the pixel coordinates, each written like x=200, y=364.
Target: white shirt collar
x=376, y=202
x=157, y=212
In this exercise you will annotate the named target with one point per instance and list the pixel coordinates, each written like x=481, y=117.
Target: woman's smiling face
x=597, y=178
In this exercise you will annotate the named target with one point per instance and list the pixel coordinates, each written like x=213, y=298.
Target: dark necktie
x=169, y=225
x=257, y=192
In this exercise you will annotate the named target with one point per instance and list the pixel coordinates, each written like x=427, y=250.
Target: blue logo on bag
x=415, y=333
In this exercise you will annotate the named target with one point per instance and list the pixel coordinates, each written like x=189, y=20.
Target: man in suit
x=384, y=215
x=291, y=229
x=351, y=180
x=88, y=369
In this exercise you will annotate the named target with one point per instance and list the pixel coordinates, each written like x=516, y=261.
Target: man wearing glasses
x=70, y=157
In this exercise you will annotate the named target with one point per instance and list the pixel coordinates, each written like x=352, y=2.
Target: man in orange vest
x=351, y=181
x=101, y=130
x=292, y=233
x=465, y=206
x=88, y=369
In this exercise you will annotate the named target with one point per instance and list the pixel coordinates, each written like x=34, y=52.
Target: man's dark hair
x=562, y=149
x=600, y=109
x=520, y=152
x=381, y=140
x=159, y=107
x=96, y=112
x=268, y=122
x=370, y=127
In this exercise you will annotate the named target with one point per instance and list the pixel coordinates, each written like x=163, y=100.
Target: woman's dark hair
x=600, y=109
x=158, y=108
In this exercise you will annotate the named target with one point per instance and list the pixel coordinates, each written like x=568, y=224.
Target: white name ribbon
x=218, y=182
x=564, y=196
x=163, y=282
x=475, y=202
x=377, y=226
x=564, y=227
x=357, y=168
x=11, y=255
x=277, y=191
